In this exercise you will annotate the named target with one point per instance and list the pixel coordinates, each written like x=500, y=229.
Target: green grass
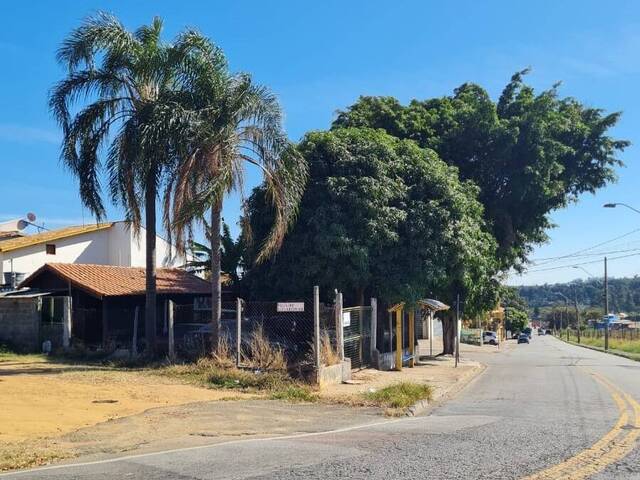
x=631, y=347
x=7, y=354
x=295, y=393
x=400, y=395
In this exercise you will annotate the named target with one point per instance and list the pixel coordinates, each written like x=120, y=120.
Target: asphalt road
x=546, y=410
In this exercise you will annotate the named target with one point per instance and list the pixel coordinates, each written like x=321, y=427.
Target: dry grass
x=28, y=455
x=328, y=354
x=262, y=354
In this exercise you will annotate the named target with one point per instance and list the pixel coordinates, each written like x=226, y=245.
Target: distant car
x=515, y=335
x=541, y=331
x=490, y=338
x=523, y=338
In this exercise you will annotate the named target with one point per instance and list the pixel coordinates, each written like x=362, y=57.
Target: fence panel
x=357, y=335
x=276, y=335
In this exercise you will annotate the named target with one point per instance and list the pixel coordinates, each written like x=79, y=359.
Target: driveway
x=546, y=410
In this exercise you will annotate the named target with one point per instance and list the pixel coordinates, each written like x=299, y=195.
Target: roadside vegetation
x=623, y=345
x=400, y=396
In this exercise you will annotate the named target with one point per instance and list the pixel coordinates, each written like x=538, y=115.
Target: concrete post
x=339, y=326
x=316, y=327
x=172, y=347
x=238, y=331
x=374, y=325
x=66, y=323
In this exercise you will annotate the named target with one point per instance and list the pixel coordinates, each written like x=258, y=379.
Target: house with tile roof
x=112, y=243
x=104, y=304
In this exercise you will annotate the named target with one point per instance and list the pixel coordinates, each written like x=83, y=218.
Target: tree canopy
x=380, y=216
x=529, y=153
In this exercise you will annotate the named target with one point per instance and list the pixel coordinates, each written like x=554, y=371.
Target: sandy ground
x=52, y=412
x=42, y=400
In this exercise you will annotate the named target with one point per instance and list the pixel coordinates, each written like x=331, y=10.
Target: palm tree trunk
x=216, y=301
x=150, y=252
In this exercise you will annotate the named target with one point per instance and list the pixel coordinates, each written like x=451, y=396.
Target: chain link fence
x=356, y=323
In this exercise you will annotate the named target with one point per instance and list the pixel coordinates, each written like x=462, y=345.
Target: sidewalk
x=439, y=372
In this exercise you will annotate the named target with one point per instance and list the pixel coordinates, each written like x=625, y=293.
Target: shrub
x=262, y=354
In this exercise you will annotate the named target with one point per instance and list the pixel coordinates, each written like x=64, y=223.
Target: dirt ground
x=56, y=411
x=40, y=399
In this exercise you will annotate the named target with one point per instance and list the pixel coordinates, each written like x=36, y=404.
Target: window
x=51, y=249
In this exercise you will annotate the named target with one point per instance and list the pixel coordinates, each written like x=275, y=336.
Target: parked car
x=490, y=338
x=541, y=331
x=523, y=338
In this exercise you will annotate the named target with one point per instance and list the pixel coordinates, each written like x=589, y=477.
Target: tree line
x=624, y=294
x=440, y=197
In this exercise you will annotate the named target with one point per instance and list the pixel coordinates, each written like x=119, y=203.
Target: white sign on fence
x=290, y=307
x=346, y=319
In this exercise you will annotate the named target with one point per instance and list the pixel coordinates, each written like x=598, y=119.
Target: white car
x=490, y=338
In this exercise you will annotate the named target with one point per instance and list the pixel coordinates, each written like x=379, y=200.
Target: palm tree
x=122, y=87
x=230, y=255
x=233, y=123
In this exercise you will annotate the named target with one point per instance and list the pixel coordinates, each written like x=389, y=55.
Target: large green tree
x=118, y=110
x=382, y=217
x=529, y=153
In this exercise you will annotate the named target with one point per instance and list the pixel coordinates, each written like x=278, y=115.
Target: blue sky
x=320, y=56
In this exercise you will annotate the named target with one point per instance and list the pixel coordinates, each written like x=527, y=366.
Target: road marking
x=211, y=445
x=611, y=448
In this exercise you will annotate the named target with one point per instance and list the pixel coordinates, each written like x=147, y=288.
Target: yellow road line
x=611, y=448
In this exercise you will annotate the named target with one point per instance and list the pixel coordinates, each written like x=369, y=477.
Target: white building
x=112, y=243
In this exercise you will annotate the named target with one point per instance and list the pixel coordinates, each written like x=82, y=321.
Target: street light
x=614, y=205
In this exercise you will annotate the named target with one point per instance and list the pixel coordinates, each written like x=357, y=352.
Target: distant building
x=112, y=243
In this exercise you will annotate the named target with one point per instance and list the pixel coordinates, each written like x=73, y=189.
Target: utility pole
x=575, y=303
x=606, y=307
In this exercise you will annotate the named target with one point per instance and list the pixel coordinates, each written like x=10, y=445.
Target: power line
x=581, y=264
x=548, y=260
x=595, y=254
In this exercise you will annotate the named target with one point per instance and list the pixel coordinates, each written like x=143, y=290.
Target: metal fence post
x=172, y=347
x=316, y=326
x=66, y=327
x=238, y=330
x=374, y=326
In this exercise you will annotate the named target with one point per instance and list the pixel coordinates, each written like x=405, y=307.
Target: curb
x=422, y=406
x=417, y=408
x=617, y=353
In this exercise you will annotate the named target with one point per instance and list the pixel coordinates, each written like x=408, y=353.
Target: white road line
x=212, y=445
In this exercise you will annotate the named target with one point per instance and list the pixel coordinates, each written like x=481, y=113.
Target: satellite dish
x=22, y=224
x=31, y=217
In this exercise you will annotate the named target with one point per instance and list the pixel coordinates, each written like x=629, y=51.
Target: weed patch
x=400, y=395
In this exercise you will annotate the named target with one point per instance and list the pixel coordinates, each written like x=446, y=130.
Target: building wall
x=92, y=247
x=20, y=322
x=165, y=253
x=114, y=246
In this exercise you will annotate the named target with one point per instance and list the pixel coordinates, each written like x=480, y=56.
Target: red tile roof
x=110, y=281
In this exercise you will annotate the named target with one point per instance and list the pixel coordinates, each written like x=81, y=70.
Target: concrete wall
x=113, y=246
x=90, y=247
x=20, y=322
